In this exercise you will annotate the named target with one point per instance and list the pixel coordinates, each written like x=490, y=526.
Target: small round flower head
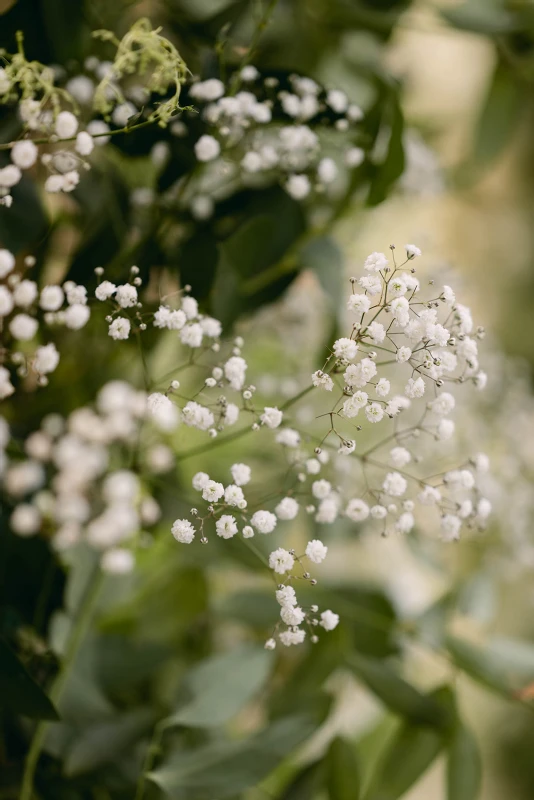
x=345, y=349
x=226, y=526
x=271, y=417
x=84, y=143
x=412, y=251
x=375, y=262
x=359, y=304
x=322, y=380
x=120, y=328
x=248, y=532
x=292, y=615
x=357, y=510
x=7, y=263
x=298, y=186
x=117, y=561
x=163, y=411
x=212, y=491
x=329, y=620
x=77, y=315
x=25, y=520
x=207, y=148
x=25, y=293
x=286, y=596
x=287, y=508
x=241, y=474
x=394, y=484
x=7, y=302
x=23, y=327
x=233, y=496
x=66, y=125
x=263, y=521
x=200, y=480
x=183, y=531
x=51, y=298
x=46, y=359
x=24, y=154
x=316, y=552
x=281, y=561
x=321, y=489
x=105, y=290
x=292, y=636
x=126, y=295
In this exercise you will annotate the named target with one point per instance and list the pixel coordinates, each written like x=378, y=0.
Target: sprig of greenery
x=142, y=51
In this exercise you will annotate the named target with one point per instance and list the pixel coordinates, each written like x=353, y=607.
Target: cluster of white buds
x=25, y=310
x=74, y=485
x=264, y=130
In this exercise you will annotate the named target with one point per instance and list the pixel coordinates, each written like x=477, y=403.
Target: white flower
x=322, y=380
x=24, y=154
x=399, y=457
x=378, y=512
x=200, y=480
x=288, y=437
x=117, y=561
x=281, y=561
x=412, y=251
x=212, y=328
x=183, y=531
x=54, y=183
x=263, y=521
x=248, y=532
x=208, y=90
x=376, y=331
x=271, y=417
x=371, y=283
x=192, y=335
x=328, y=510
x=51, y=298
x=240, y=474
x=445, y=429
x=119, y=328
x=450, y=527
x=212, y=491
x=190, y=307
x=196, y=416
x=374, y=412
x=23, y=327
x=163, y=411
x=354, y=157
x=292, y=636
x=337, y=100
x=383, y=387
x=443, y=404
x=104, y=290
x=10, y=176
x=400, y=308
x=316, y=552
x=66, y=125
x=405, y=522
x=126, y=295
x=292, y=615
x=226, y=526
x=353, y=404
x=84, y=143
x=207, y=148
x=77, y=315
x=6, y=301
x=359, y=303
x=394, y=484
x=360, y=374
x=25, y=520
x=233, y=496
x=298, y=186
x=6, y=387
x=46, y=359
x=7, y=262
x=327, y=170
x=234, y=372
x=345, y=348
x=375, y=262
x=357, y=510
x=415, y=388
x=403, y=354
x=313, y=466
x=329, y=620
x=397, y=286
x=429, y=496
x=287, y=508
x=321, y=489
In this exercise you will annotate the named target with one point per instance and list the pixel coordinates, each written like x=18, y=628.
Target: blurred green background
x=452, y=86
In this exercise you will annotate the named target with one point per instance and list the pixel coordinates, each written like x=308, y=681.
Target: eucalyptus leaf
x=222, y=685
x=464, y=766
x=225, y=768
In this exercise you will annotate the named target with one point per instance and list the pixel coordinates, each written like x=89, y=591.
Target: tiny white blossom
x=316, y=552
x=183, y=531
x=263, y=521
x=226, y=526
x=329, y=620
x=281, y=561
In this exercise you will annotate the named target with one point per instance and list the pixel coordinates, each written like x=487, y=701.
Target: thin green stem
x=153, y=750
x=247, y=58
x=46, y=139
x=76, y=636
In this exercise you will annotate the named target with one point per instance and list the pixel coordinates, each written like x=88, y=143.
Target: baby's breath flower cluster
x=265, y=130
x=390, y=388
x=26, y=311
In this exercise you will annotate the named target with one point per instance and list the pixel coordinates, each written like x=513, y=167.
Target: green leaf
x=407, y=757
x=226, y=768
x=19, y=692
x=25, y=223
x=104, y=742
x=388, y=155
x=480, y=664
x=464, y=767
x=305, y=784
x=222, y=685
x=500, y=116
x=252, y=607
x=397, y=694
x=369, y=617
x=324, y=257
x=342, y=771
x=483, y=16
